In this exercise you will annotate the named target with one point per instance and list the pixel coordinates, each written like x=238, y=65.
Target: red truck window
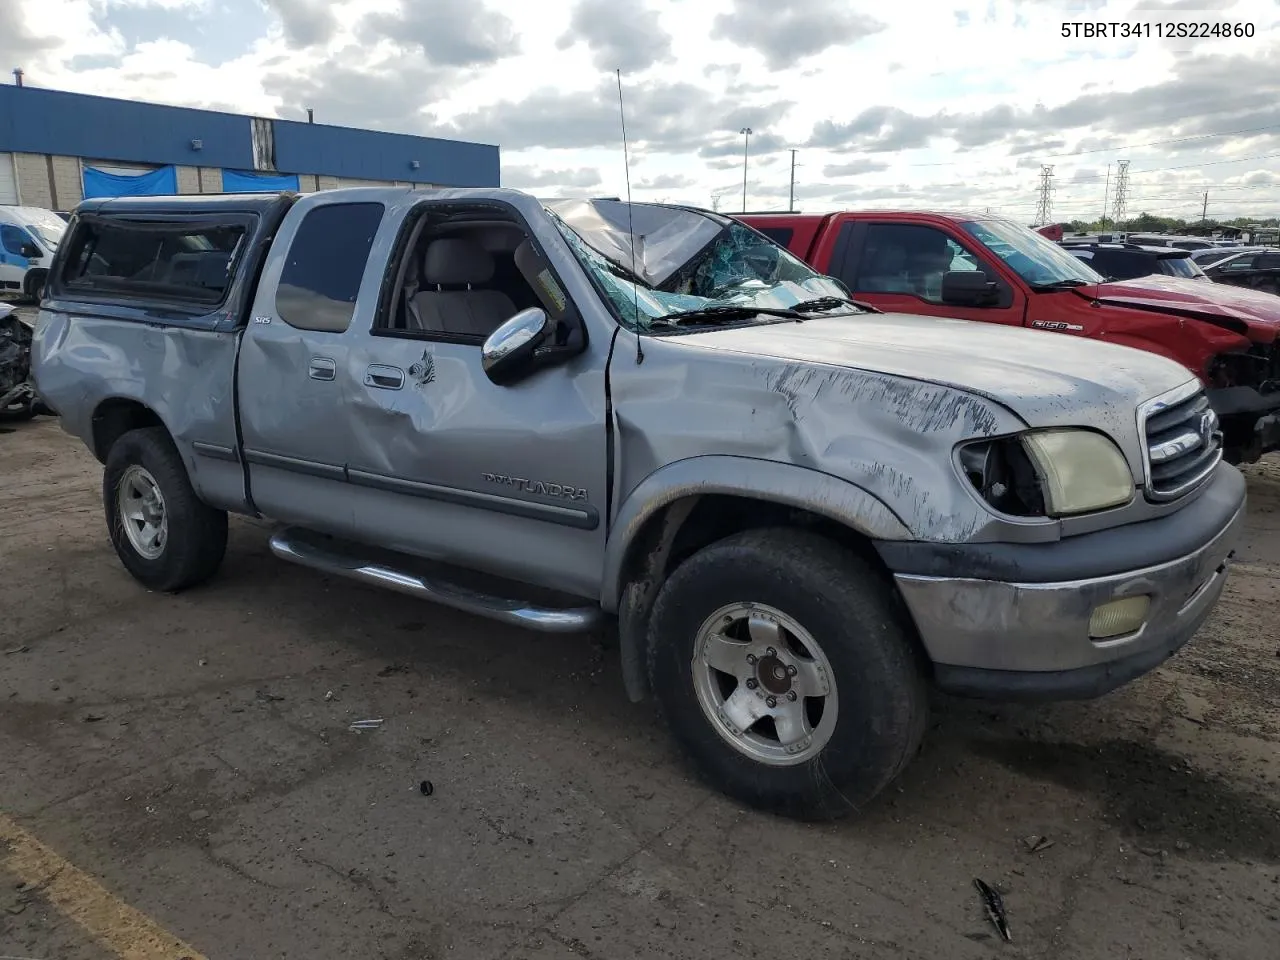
x=908, y=258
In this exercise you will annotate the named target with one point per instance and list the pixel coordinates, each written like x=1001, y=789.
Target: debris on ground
x=1036, y=843
x=91, y=718
x=393, y=668
x=1182, y=845
x=427, y=788
x=267, y=697
x=328, y=696
x=994, y=905
x=365, y=725
x=12, y=650
x=197, y=815
x=202, y=662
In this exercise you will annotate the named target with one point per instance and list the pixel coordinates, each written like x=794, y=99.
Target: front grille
x=1183, y=442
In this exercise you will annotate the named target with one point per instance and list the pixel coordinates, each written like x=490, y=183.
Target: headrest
x=928, y=243
x=455, y=260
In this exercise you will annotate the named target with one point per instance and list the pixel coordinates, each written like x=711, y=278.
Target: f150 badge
x=563, y=491
x=1056, y=325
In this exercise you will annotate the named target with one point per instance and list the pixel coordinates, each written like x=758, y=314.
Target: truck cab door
x=292, y=395
x=444, y=463
x=898, y=267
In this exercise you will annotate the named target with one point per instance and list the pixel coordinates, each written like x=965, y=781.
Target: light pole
x=746, y=140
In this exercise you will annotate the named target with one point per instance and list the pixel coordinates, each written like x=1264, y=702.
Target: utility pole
x=1122, y=193
x=1106, y=190
x=791, y=203
x=17, y=76
x=1045, y=207
x=746, y=140
x=1204, y=211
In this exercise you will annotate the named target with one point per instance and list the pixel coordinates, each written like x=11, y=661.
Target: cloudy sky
x=922, y=103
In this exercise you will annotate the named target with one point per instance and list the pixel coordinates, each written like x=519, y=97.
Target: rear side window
x=1179, y=267
x=1123, y=264
x=183, y=262
x=779, y=235
x=321, y=277
x=1267, y=261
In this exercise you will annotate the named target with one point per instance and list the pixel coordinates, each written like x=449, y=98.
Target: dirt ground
x=189, y=758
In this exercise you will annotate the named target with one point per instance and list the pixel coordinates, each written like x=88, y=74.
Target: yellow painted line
x=126, y=932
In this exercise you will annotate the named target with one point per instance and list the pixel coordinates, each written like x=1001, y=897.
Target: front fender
x=780, y=483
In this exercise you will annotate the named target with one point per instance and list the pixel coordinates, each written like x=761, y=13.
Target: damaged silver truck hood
x=1046, y=379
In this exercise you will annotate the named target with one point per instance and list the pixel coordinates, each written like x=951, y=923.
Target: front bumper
x=1250, y=421
x=1001, y=628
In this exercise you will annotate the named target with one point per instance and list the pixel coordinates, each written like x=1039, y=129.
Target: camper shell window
x=165, y=260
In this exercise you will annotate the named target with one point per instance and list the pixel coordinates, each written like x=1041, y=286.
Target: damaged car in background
x=797, y=511
x=18, y=400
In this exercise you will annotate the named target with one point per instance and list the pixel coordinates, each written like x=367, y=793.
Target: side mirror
x=29, y=250
x=508, y=353
x=968, y=288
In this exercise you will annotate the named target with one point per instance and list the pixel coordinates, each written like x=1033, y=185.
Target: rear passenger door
x=898, y=267
x=292, y=396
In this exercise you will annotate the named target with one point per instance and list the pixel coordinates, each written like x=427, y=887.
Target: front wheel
x=163, y=533
x=787, y=673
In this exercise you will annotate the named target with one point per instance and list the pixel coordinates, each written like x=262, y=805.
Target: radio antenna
x=631, y=229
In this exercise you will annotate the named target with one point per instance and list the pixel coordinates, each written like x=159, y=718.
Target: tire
x=19, y=413
x=880, y=703
x=194, y=535
x=34, y=286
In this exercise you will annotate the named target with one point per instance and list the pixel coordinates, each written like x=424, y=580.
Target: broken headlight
x=1048, y=473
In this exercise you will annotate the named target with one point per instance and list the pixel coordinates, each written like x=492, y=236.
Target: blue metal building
x=56, y=148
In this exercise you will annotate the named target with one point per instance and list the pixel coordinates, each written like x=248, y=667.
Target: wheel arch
x=115, y=416
x=692, y=503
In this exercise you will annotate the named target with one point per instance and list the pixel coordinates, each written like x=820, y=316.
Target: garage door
x=8, y=182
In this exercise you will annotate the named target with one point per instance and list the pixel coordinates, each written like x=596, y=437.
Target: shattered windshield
x=1036, y=259
x=684, y=262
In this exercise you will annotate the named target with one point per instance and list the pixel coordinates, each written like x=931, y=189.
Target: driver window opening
x=463, y=276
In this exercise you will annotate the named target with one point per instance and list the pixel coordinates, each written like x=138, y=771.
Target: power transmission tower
x=1122, y=194
x=1045, y=206
x=1204, y=211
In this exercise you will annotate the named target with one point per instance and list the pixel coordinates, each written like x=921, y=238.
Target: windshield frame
x=641, y=308
x=1037, y=260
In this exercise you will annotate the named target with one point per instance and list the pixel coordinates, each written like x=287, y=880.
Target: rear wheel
x=163, y=533
x=786, y=672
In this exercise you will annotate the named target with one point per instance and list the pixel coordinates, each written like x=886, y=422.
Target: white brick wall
x=327, y=183
x=68, y=183
x=188, y=180
x=33, y=179
x=210, y=179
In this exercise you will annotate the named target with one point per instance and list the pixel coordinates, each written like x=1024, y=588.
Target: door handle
x=384, y=377
x=322, y=368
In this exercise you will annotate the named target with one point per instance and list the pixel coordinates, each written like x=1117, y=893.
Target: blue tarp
x=162, y=182
x=243, y=181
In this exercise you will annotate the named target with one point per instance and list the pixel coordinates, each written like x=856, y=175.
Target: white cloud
x=957, y=103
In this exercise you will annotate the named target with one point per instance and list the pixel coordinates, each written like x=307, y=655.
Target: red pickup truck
x=988, y=268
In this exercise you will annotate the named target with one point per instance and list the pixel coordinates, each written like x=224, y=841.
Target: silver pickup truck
x=797, y=511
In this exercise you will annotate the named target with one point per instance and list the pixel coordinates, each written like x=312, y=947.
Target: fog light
x=1119, y=617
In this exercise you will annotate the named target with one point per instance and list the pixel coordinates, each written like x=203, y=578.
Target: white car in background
x=28, y=238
